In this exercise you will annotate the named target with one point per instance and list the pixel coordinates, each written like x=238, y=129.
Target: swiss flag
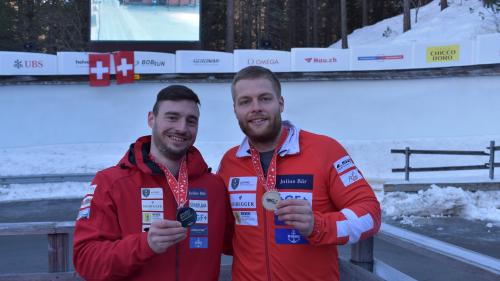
x=124, y=66
x=99, y=69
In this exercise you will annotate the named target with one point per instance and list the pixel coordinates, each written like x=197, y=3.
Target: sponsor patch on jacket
x=197, y=193
x=151, y=193
x=289, y=236
x=91, y=189
x=149, y=217
x=245, y=217
x=294, y=182
x=343, y=164
x=243, y=201
x=202, y=217
x=196, y=230
x=297, y=195
x=83, y=214
x=86, y=201
x=199, y=205
x=152, y=205
x=198, y=242
x=242, y=184
x=351, y=177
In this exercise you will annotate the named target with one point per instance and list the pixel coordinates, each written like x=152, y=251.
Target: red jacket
x=110, y=242
x=311, y=167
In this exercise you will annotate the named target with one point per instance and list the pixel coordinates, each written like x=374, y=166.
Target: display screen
x=144, y=20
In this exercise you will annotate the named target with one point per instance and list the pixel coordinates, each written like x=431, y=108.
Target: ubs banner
x=19, y=63
x=442, y=55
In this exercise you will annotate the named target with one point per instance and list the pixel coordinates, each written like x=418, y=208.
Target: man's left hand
x=297, y=213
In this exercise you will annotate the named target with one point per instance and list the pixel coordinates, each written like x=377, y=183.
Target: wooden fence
x=490, y=165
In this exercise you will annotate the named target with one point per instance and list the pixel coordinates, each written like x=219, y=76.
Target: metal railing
x=360, y=266
x=488, y=166
x=59, y=258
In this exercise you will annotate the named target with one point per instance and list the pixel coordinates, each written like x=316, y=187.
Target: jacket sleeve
x=229, y=230
x=100, y=251
x=356, y=214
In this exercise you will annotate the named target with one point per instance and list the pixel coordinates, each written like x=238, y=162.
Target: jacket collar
x=289, y=147
x=138, y=157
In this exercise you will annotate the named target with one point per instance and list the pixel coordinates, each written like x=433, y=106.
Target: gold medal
x=270, y=199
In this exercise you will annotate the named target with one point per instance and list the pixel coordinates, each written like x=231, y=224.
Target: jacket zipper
x=268, y=266
x=177, y=263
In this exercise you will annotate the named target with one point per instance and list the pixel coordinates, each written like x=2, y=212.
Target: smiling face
x=174, y=127
x=258, y=109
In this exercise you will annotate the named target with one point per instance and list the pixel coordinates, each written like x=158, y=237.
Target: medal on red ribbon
x=271, y=197
x=185, y=215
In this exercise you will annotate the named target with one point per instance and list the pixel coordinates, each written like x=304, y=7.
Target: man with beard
x=295, y=195
x=147, y=217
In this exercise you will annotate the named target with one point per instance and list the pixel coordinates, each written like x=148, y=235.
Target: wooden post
x=406, y=16
x=492, y=160
x=229, y=25
x=407, y=164
x=343, y=23
x=58, y=252
x=362, y=254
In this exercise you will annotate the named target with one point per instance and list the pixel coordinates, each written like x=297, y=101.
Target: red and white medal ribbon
x=269, y=182
x=178, y=187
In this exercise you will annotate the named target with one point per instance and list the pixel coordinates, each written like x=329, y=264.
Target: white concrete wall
x=347, y=110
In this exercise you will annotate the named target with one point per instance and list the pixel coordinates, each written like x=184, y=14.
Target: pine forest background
x=49, y=26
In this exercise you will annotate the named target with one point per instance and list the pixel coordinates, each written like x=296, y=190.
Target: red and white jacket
x=110, y=242
x=310, y=167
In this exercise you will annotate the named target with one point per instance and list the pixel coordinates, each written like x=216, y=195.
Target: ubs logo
x=28, y=64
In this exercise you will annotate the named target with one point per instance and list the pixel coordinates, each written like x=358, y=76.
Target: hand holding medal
x=185, y=215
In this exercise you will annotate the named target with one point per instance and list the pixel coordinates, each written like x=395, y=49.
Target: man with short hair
x=147, y=218
x=295, y=195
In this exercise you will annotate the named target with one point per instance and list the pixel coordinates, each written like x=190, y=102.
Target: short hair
x=254, y=72
x=175, y=93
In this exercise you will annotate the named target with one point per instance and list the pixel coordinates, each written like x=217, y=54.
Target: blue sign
x=289, y=236
x=294, y=181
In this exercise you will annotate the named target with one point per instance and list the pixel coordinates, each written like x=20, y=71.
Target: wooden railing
x=408, y=152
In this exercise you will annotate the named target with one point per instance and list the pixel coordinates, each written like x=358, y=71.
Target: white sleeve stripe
x=354, y=226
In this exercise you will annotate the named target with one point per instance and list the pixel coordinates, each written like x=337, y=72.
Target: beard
x=166, y=150
x=268, y=134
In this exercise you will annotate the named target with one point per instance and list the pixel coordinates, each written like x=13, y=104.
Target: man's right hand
x=165, y=233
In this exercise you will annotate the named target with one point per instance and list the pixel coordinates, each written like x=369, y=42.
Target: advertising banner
x=319, y=59
x=443, y=55
x=203, y=62
x=20, y=63
x=153, y=62
x=276, y=61
x=488, y=48
x=379, y=58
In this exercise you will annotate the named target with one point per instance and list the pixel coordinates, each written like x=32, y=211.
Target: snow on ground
x=372, y=157
x=462, y=20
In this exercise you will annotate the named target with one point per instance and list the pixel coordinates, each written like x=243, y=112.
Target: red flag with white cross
x=124, y=66
x=99, y=70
